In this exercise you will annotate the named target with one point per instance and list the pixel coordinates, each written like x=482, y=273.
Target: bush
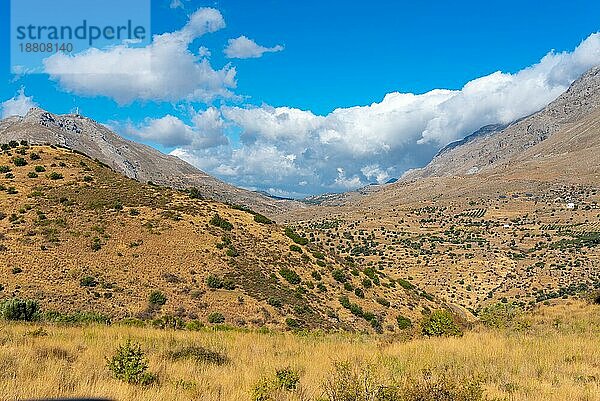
x=216, y=282
x=220, y=222
x=405, y=284
x=4, y=169
x=500, y=315
x=157, y=298
x=39, y=169
x=259, y=218
x=275, y=302
x=339, y=275
x=31, y=174
x=195, y=193
x=275, y=388
x=359, y=292
x=213, y=281
x=55, y=176
x=88, y=281
x=129, y=364
x=403, y=322
x=18, y=309
x=440, y=323
x=383, y=302
x=316, y=275
x=295, y=248
x=290, y=233
x=34, y=156
x=291, y=276
x=19, y=162
x=216, y=318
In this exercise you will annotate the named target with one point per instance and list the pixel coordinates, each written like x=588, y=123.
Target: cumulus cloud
x=18, y=105
x=164, y=70
x=243, y=47
x=300, y=153
x=206, y=130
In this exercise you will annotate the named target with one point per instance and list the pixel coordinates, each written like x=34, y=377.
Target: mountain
x=498, y=145
x=137, y=161
x=79, y=237
x=509, y=214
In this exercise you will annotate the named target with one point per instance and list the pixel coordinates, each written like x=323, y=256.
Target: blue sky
x=270, y=123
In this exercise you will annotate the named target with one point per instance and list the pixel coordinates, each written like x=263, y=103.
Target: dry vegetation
x=78, y=237
x=552, y=356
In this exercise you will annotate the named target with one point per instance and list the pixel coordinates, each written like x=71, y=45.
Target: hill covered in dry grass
x=79, y=238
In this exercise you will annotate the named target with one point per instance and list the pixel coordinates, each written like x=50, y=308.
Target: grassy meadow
x=553, y=354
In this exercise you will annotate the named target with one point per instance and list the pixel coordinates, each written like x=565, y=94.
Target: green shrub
x=383, y=302
x=259, y=218
x=290, y=233
x=359, y=292
x=440, y=323
x=19, y=309
x=39, y=169
x=55, y=176
x=216, y=318
x=291, y=276
x=278, y=387
x=13, y=144
x=34, y=156
x=403, y=322
x=195, y=193
x=157, y=298
x=215, y=282
x=292, y=323
x=275, y=302
x=130, y=365
x=295, y=248
x=339, y=275
x=4, y=169
x=19, y=162
x=220, y=222
x=88, y=281
x=405, y=284
x=316, y=275
x=500, y=315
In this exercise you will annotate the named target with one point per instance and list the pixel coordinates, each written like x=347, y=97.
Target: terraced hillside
x=79, y=237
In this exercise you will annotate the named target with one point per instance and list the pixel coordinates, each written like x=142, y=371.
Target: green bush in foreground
x=157, y=298
x=440, y=323
x=19, y=309
x=129, y=364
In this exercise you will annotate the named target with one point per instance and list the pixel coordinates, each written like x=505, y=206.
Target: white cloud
x=18, y=105
x=206, y=131
x=299, y=152
x=243, y=47
x=164, y=70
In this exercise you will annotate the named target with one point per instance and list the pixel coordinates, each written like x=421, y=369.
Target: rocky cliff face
x=497, y=145
x=135, y=160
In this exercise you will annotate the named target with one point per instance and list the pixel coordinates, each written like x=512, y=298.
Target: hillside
x=498, y=145
x=507, y=215
x=135, y=160
x=80, y=237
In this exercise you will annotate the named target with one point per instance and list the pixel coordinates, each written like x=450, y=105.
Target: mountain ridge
x=135, y=160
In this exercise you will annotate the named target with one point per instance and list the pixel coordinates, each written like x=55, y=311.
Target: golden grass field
x=557, y=357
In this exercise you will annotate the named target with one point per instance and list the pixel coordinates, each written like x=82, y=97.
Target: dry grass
x=557, y=358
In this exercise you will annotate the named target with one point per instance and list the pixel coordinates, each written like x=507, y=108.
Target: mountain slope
x=498, y=146
x=135, y=160
x=78, y=236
